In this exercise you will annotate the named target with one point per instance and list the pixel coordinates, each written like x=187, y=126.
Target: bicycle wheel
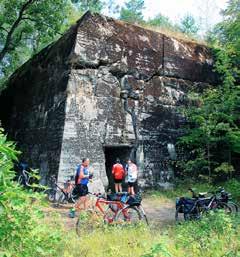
x=51, y=194
x=143, y=214
x=233, y=206
x=223, y=206
x=185, y=215
x=61, y=198
x=129, y=215
x=20, y=180
x=87, y=222
x=179, y=214
x=74, y=195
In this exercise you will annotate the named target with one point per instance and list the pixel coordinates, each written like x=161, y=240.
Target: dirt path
x=160, y=213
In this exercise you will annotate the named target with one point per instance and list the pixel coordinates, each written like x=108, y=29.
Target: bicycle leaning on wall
x=61, y=192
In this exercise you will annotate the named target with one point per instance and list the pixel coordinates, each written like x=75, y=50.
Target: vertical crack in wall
x=127, y=93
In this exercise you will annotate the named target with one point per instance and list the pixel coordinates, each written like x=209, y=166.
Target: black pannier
x=134, y=200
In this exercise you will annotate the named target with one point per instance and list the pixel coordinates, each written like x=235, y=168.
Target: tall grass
x=111, y=241
x=214, y=236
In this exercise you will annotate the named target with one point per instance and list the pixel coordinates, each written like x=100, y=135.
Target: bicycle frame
x=102, y=201
x=65, y=191
x=201, y=203
x=25, y=176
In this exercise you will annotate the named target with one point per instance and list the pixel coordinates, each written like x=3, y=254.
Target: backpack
x=77, y=174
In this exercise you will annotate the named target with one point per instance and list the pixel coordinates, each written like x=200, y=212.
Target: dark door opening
x=111, y=154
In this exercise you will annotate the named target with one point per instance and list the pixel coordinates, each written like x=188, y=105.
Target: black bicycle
x=194, y=208
x=62, y=194
x=24, y=178
x=226, y=197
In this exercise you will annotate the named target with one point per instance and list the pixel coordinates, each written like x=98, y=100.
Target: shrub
x=24, y=231
x=214, y=235
x=233, y=186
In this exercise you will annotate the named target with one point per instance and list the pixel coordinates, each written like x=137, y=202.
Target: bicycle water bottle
x=72, y=213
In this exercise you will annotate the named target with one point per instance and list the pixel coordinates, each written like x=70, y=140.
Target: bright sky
x=176, y=9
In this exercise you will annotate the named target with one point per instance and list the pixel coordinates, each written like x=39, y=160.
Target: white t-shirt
x=132, y=172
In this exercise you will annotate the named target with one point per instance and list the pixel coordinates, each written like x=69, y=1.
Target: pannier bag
x=185, y=204
x=134, y=200
x=123, y=197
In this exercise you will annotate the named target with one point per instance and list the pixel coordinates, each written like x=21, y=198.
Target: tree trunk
x=8, y=43
x=209, y=162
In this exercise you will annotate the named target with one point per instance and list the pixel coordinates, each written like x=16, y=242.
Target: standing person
x=81, y=180
x=118, y=175
x=132, y=172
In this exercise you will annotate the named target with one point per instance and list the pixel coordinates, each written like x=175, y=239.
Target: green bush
x=233, y=186
x=215, y=235
x=24, y=231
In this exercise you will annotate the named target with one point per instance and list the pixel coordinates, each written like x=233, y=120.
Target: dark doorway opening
x=111, y=154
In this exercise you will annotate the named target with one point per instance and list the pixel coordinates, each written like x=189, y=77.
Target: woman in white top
x=131, y=172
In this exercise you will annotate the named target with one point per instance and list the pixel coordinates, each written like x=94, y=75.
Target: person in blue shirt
x=82, y=179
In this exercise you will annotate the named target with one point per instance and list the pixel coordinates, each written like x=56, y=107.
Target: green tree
x=213, y=131
x=26, y=26
x=132, y=11
x=89, y=5
x=112, y=7
x=227, y=34
x=188, y=25
x=160, y=21
x=213, y=134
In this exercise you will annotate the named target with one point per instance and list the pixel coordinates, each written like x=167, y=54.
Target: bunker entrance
x=111, y=154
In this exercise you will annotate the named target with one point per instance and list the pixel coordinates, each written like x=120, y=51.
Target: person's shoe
x=72, y=213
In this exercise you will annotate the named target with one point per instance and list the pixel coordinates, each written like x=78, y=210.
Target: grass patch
x=111, y=241
x=181, y=189
x=174, y=34
x=215, y=235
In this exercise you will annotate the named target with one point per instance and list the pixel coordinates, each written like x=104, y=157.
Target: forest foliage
x=212, y=138
x=24, y=231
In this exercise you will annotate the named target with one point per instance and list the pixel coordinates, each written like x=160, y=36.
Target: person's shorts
x=82, y=190
x=132, y=184
x=118, y=181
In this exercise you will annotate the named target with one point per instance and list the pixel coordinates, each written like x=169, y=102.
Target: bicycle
x=24, y=178
x=113, y=209
x=194, y=208
x=226, y=197
x=220, y=196
x=60, y=194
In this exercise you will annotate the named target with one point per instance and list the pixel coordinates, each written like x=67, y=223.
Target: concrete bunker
x=104, y=86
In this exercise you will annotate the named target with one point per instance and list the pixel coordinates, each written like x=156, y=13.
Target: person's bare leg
x=84, y=202
x=116, y=187
x=129, y=190
x=120, y=187
x=78, y=204
x=132, y=191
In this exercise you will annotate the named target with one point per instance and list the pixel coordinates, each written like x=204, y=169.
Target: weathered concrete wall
x=32, y=109
x=123, y=86
x=126, y=86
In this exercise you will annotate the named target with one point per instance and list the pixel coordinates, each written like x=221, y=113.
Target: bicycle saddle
x=202, y=194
